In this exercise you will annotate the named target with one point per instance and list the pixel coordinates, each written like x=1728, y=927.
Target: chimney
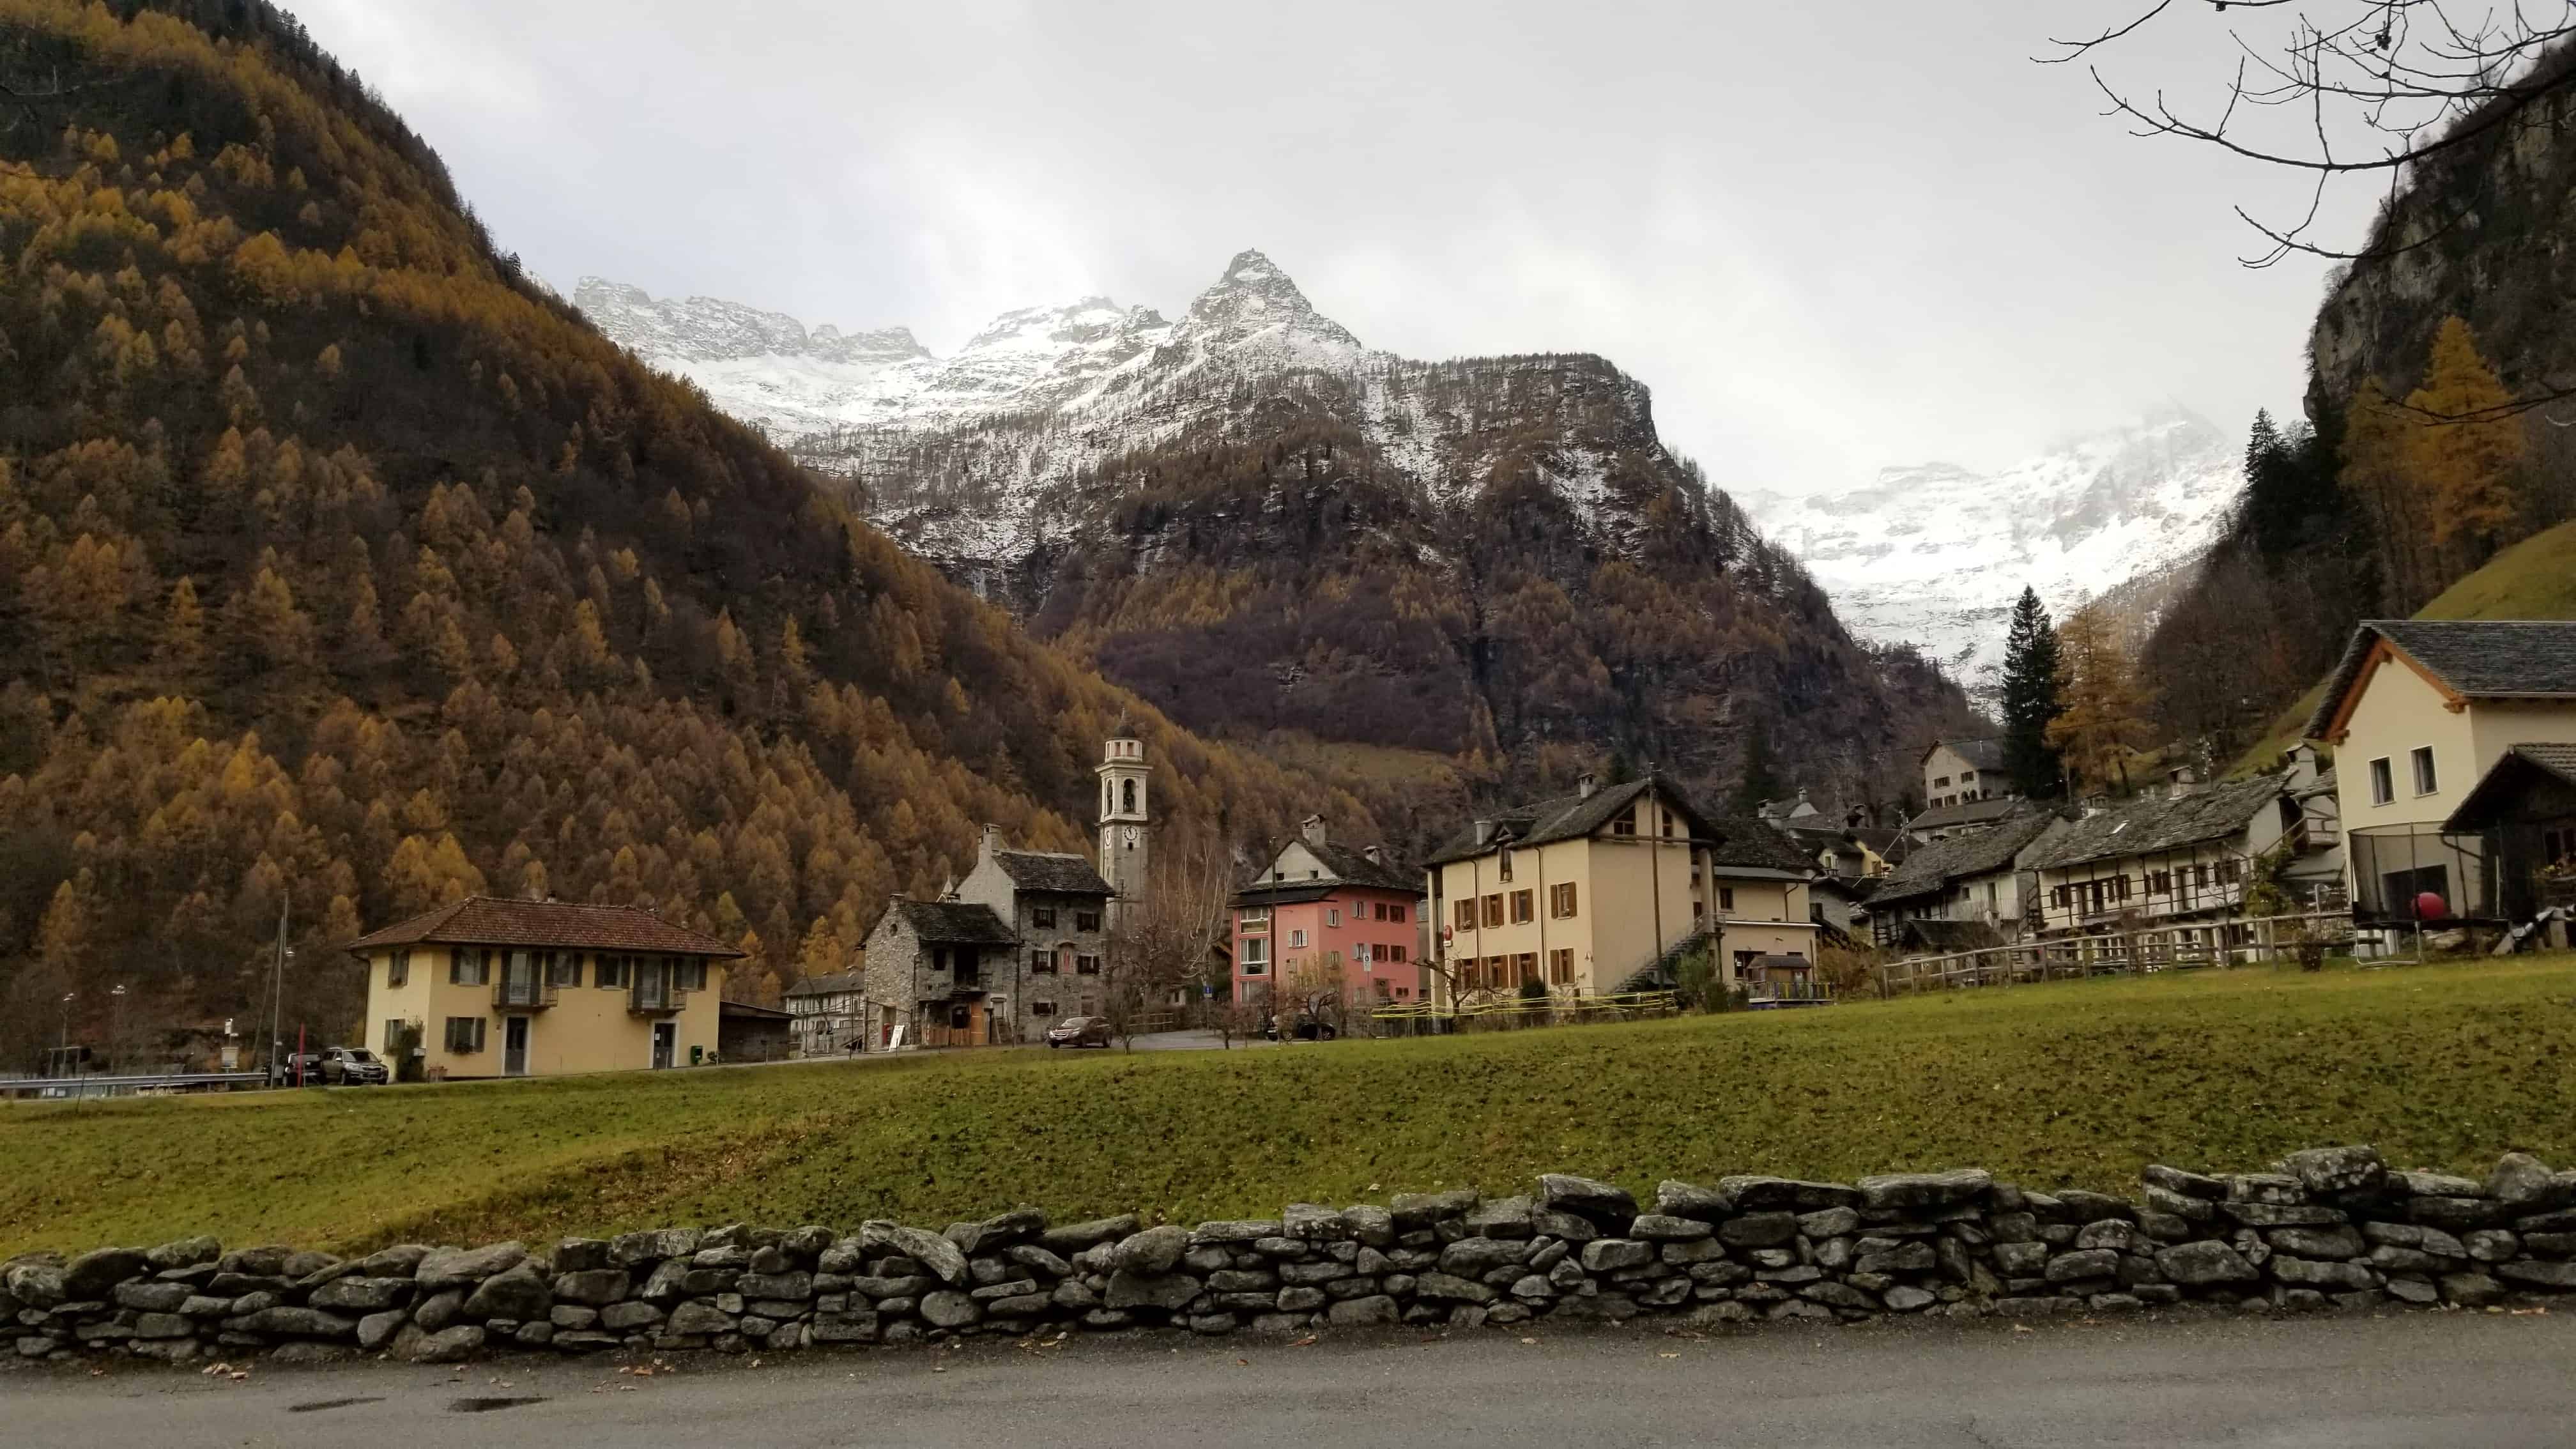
x=991, y=842
x=1312, y=828
x=2180, y=781
x=1485, y=828
x=1584, y=785
x=2302, y=767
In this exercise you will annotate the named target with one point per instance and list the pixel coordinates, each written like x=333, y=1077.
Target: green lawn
x=2075, y=1084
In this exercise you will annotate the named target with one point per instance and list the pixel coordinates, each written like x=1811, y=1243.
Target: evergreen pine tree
x=2030, y=700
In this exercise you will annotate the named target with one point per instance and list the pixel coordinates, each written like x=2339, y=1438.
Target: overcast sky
x=1830, y=236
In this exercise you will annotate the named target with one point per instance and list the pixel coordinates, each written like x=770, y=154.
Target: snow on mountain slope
x=967, y=459
x=1934, y=555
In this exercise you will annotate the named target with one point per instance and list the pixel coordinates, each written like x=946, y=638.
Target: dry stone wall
x=2332, y=1227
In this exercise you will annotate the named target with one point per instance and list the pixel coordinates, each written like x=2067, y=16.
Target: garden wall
x=2332, y=1227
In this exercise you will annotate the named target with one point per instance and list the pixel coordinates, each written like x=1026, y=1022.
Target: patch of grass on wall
x=2073, y=1084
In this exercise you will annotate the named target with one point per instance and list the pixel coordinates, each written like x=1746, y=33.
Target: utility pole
x=276, y=985
x=116, y=1042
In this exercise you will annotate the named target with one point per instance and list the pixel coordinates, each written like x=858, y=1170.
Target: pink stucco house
x=1318, y=902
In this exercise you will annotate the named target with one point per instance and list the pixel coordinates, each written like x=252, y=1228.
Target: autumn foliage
x=345, y=569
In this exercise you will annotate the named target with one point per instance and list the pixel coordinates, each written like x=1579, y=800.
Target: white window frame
x=2428, y=776
x=2383, y=781
x=1256, y=955
x=1297, y=939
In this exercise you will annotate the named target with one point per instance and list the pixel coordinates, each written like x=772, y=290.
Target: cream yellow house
x=2419, y=711
x=498, y=988
x=1602, y=890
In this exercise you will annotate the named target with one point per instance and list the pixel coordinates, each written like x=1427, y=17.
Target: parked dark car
x=354, y=1067
x=296, y=1069
x=1079, y=1031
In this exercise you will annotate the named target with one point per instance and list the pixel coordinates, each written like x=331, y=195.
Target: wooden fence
x=2151, y=948
x=1505, y=1012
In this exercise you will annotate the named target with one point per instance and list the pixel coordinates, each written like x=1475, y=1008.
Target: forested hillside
x=343, y=569
x=1291, y=575
x=2443, y=371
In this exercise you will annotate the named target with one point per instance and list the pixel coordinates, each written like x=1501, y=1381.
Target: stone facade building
x=1022, y=941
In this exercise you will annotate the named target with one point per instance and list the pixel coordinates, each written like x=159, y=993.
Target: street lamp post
x=63, y=1043
x=116, y=1036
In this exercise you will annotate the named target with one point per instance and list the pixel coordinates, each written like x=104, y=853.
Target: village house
x=1854, y=851
x=2182, y=857
x=501, y=988
x=824, y=1013
x=1010, y=949
x=2418, y=712
x=1022, y=941
x=1961, y=772
x=1965, y=891
x=1319, y=902
x=1601, y=891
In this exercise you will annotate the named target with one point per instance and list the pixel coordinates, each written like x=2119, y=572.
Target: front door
x=514, y=1046
x=666, y=1044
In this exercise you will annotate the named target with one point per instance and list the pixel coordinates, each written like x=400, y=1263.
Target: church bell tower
x=1125, y=842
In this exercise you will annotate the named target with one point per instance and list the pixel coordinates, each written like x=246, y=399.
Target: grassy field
x=2534, y=579
x=2076, y=1084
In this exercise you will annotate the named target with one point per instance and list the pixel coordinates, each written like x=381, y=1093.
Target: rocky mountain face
x=1935, y=554
x=1263, y=524
x=2481, y=233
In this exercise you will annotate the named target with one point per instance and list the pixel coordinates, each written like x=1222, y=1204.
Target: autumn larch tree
x=2102, y=719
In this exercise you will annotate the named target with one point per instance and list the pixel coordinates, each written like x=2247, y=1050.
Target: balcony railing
x=522, y=993
x=656, y=994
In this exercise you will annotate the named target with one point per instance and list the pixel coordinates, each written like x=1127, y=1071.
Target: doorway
x=514, y=1046
x=666, y=1044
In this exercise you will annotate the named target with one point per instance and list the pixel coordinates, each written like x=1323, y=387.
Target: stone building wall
x=2328, y=1228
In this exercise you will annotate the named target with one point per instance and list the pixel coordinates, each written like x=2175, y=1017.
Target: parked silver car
x=354, y=1067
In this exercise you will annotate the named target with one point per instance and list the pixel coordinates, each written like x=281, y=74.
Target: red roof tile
x=485, y=921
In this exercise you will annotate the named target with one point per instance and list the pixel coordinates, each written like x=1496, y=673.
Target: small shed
x=748, y=1033
x=2522, y=816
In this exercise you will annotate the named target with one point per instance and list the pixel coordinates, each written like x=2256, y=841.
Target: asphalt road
x=2405, y=1379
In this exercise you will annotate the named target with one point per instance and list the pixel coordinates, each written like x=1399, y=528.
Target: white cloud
x=1830, y=236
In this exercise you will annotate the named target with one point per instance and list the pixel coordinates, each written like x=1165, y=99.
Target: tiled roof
x=839, y=983
x=1566, y=817
x=1343, y=867
x=1353, y=867
x=2496, y=792
x=486, y=921
x=1743, y=841
x=1966, y=812
x=955, y=923
x=2559, y=760
x=2156, y=823
x=1978, y=852
x=1043, y=870
x=2478, y=658
x=1984, y=754
x=1948, y=935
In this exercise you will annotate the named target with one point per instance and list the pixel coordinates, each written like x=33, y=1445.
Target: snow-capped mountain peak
x=1933, y=554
